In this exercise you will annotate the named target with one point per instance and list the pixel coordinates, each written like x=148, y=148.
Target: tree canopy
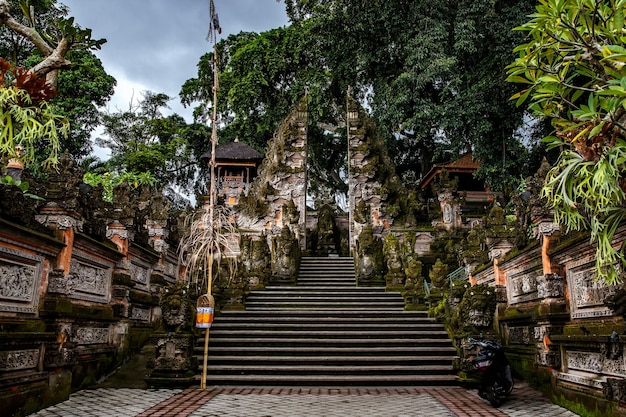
x=143, y=139
x=38, y=36
x=432, y=73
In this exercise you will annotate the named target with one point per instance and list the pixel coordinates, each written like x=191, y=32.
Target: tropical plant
x=572, y=67
x=143, y=139
x=39, y=36
x=28, y=124
x=110, y=180
x=24, y=186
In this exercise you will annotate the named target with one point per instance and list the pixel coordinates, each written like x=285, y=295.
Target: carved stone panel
x=19, y=360
x=550, y=286
x=20, y=280
x=91, y=335
x=522, y=335
x=586, y=293
x=89, y=280
x=594, y=363
x=140, y=274
x=523, y=287
x=138, y=313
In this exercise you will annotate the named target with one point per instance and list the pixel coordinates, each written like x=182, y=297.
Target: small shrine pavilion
x=236, y=166
x=464, y=198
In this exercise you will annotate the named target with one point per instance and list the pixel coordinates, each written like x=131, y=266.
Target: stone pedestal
x=174, y=365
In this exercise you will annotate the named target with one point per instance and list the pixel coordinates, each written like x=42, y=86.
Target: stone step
x=326, y=331
x=314, y=352
x=335, y=360
x=329, y=334
x=331, y=380
x=321, y=343
x=270, y=369
x=321, y=325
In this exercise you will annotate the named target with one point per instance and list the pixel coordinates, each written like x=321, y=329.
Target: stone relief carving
x=60, y=221
x=520, y=334
x=594, y=362
x=16, y=282
x=20, y=279
x=14, y=360
x=550, y=286
x=139, y=273
x=138, y=313
x=91, y=335
x=88, y=278
x=587, y=294
x=523, y=287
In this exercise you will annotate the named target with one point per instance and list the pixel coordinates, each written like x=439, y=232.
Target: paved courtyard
x=290, y=402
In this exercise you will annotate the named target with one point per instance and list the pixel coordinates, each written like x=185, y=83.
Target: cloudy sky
x=156, y=44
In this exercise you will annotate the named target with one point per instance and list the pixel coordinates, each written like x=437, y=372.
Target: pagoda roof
x=233, y=151
x=466, y=164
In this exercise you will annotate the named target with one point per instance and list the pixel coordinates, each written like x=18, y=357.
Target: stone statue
x=326, y=238
x=438, y=275
x=414, y=283
x=285, y=255
x=368, y=259
x=255, y=261
x=395, y=271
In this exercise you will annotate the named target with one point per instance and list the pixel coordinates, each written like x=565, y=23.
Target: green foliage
x=28, y=123
x=82, y=90
x=143, y=139
x=22, y=185
x=82, y=85
x=573, y=73
x=432, y=74
x=110, y=181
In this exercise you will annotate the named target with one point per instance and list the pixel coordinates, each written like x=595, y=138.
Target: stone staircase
x=326, y=331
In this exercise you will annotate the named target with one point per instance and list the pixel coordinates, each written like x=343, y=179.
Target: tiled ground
x=289, y=402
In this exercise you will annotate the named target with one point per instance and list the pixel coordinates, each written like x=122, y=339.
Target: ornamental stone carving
x=587, y=294
x=20, y=280
x=60, y=221
x=523, y=287
x=91, y=336
x=550, y=286
x=594, y=362
x=16, y=360
x=138, y=313
x=546, y=228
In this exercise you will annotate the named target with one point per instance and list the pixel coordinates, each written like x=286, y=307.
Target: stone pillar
x=546, y=231
x=65, y=223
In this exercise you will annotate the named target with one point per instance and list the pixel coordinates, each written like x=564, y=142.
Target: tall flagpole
x=214, y=30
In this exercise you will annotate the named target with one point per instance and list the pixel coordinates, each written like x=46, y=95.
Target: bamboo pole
x=213, y=29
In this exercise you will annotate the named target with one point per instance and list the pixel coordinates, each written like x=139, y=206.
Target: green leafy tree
x=142, y=139
x=432, y=73
x=261, y=77
x=572, y=67
x=38, y=35
x=28, y=124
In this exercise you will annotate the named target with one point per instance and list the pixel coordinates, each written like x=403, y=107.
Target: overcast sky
x=156, y=44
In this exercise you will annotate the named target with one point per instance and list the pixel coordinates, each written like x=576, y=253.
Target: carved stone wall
x=21, y=275
x=556, y=324
x=281, y=183
x=72, y=307
x=368, y=166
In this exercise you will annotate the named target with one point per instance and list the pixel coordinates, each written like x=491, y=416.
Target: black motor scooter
x=497, y=382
